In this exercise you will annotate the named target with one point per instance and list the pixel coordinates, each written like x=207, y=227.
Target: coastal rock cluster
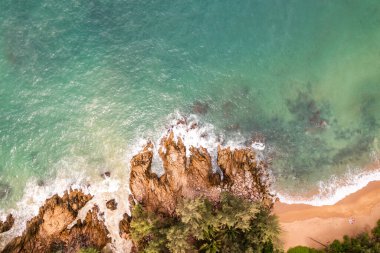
x=193, y=176
x=57, y=227
x=49, y=231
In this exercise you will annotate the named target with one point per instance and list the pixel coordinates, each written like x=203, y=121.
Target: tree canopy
x=231, y=225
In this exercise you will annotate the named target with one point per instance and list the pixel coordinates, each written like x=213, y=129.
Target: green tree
x=376, y=232
x=231, y=225
x=302, y=249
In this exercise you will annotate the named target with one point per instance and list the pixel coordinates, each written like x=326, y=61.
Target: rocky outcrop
x=189, y=177
x=49, y=231
x=7, y=224
x=146, y=186
x=243, y=175
x=57, y=228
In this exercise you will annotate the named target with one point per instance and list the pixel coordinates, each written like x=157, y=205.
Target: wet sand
x=315, y=226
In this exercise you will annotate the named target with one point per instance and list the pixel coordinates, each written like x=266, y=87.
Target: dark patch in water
x=33, y=156
x=243, y=91
x=233, y=127
x=368, y=112
x=5, y=190
x=306, y=110
x=353, y=152
x=343, y=134
x=11, y=57
x=40, y=182
x=200, y=107
x=228, y=108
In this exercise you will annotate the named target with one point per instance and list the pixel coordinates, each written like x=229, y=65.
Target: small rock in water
x=194, y=126
x=7, y=224
x=105, y=174
x=40, y=182
x=111, y=204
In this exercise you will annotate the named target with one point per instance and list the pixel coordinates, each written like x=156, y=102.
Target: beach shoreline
x=316, y=226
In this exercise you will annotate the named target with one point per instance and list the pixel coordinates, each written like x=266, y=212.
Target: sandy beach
x=315, y=226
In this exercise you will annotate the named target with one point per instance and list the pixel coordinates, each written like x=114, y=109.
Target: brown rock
x=191, y=177
x=91, y=232
x=173, y=155
x=146, y=186
x=182, y=178
x=111, y=204
x=49, y=232
x=124, y=226
x=7, y=224
x=243, y=176
x=106, y=174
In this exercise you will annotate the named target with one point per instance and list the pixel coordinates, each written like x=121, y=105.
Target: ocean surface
x=82, y=83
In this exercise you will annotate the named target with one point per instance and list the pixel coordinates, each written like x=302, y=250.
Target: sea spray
x=193, y=132
x=335, y=189
x=102, y=191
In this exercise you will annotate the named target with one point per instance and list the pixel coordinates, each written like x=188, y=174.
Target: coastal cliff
x=186, y=177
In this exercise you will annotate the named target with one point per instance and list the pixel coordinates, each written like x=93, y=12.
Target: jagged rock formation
x=191, y=177
x=7, y=224
x=182, y=178
x=243, y=175
x=49, y=232
x=54, y=228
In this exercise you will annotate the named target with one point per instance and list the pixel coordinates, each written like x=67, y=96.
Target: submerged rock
x=200, y=108
x=105, y=175
x=7, y=224
x=49, y=231
x=5, y=190
x=193, y=176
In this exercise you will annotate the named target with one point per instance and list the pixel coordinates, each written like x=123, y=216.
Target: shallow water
x=80, y=82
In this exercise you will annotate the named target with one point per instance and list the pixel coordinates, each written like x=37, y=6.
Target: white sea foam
x=71, y=176
x=194, y=133
x=258, y=146
x=335, y=189
x=33, y=198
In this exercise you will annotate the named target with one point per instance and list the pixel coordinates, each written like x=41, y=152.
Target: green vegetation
x=233, y=225
x=302, y=249
x=362, y=243
x=88, y=250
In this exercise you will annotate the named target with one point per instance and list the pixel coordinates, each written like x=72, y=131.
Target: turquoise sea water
x=80, y=81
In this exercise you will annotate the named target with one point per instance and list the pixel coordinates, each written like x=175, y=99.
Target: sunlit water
x=82, y=81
